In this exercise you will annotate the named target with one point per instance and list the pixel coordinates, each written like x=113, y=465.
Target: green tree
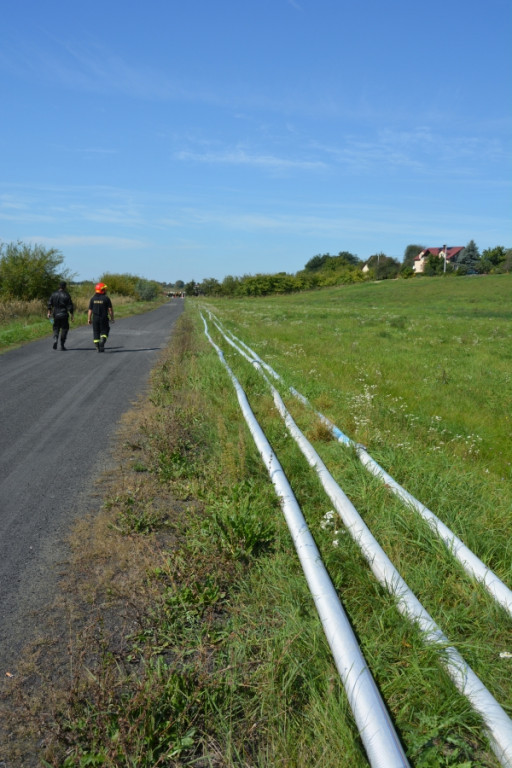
x=124, y=284
x=434, y=265
x=317, y=262
x=30, y=272
x=347, y=258
x=383, y=267
x=468, y=257
x=209, y=287
x=493, y=258
x=230, y=285
x=147, y=290
x=132, y=286
x=387, y=268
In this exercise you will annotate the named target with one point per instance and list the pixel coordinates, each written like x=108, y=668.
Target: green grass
x=427, y=361
x=420, y=373
x=18, y=332
x=225, y=648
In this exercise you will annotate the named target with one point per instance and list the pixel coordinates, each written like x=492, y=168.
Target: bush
x=136, y=287
x=29, y=272
x=147, y=290
x=123, y=284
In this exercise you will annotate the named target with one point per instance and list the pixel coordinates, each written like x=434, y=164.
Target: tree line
x=32, y=272
x=345, y=267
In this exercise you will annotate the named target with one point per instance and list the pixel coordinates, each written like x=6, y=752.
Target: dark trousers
x=100, y=328
x=60, y=325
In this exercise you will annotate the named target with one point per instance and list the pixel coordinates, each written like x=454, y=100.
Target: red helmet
x=100, y=288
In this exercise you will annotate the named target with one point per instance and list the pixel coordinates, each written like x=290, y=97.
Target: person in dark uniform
x=61, y=307
x=100, y=310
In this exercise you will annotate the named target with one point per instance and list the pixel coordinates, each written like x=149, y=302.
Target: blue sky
x=186, y=139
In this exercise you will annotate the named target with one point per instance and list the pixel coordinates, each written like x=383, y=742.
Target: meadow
x=198, y=642
x=418, y=372
x=431, y=355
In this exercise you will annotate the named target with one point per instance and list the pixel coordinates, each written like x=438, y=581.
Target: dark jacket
x=100, y=304
x=61, y=304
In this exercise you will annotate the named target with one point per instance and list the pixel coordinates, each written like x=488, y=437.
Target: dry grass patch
x=320, y=433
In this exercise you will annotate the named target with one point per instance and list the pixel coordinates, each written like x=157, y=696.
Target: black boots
x=56, y=342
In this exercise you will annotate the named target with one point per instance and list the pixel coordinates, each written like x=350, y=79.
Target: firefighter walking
x=100, y=310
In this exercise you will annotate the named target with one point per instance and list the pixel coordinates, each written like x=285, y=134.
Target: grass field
x=420, y=373
x=197, y=642
x=437, y=353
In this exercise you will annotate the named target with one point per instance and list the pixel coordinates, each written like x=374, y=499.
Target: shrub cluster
x=131, y=285
x=29, y=272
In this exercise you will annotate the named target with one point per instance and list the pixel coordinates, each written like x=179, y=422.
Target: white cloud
x=423, y=150
x=241, y=157
x=39, y=203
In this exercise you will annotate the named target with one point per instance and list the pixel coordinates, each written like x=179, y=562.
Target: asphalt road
x=58, y=414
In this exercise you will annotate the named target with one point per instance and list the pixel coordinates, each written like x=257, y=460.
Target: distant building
x=448, y=253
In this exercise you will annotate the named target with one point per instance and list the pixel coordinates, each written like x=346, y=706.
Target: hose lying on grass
x=374, y=725
x=498, y=724
x=470, y=562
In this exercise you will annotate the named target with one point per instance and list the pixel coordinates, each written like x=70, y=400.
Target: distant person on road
x=61, y=308
x=100, y=309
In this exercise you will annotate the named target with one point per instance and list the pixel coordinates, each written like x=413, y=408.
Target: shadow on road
x=123, y=349
x=110, y=349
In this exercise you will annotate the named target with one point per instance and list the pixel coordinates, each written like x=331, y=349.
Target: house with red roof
x=446, y=253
